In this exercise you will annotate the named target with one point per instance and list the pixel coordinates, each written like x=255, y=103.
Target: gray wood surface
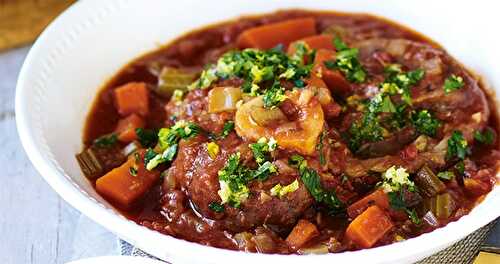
x=36, y=225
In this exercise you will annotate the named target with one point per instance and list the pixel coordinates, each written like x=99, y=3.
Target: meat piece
x=197, y=174
x=387, y=146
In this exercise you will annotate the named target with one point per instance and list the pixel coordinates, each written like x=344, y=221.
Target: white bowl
x=93, y=39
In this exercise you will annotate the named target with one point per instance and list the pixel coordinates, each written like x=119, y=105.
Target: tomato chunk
x=269, y=36
x=370, y=226
x=132, y=98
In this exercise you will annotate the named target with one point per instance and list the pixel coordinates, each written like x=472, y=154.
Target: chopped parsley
x=347, y=62
x=263, y=171
x=228, y=128
x=167, y=155
x=274, y=96
x=486, y=137
x=399, y=82
x=106, y=141
x=453, y=83
x=146, y=137
x=398, y=119
x=460, y=167
x=216, y=207
x=132, y=171
x=446, y=175
x=457, y=146
x=168, y=140
x=261, y=152
x=425, y=123
x=395, y=183
x=319, y=148
x=149, y=155
x=260, y=70
x=234, y=177
x=311, y=180
x=412, y=214
x=396, y=200
x=262, y=149
x=386, y=106
x=232, y=180
x=368, y=128
x=280, y=191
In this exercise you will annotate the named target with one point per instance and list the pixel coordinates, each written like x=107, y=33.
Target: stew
x=296, y=132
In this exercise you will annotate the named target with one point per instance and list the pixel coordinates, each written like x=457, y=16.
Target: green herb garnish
x=397, y=202
x=274, y=96
x=412, y=214
x=232, y=180
x=263, y=171
x=149, y=155
x=216, y=207
x=146, y=137
x=260, y=70
x=486, y=137
x=457, y=146
x=319, y=148
x=425, y=123
x=399, y=82
x=453, y=83
x=132, y=171
x=262, y=149
x=228, y=128
x=106, y=141
x=168, y=139
x=311, y=180
x=347, y=62
x=446, y=175
x=368, y=128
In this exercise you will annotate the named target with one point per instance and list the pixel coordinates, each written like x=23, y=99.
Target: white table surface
x=36, y=225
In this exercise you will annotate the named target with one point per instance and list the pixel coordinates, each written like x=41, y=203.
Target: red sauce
x=182, y=211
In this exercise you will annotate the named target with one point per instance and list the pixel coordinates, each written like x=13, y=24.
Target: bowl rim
x=142, y=237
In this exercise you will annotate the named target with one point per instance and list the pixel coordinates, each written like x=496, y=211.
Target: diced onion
x=430, y=219
x=131, y=148
x=223, y=99
x=317, y=249
x=264, y=243
x=397, y=47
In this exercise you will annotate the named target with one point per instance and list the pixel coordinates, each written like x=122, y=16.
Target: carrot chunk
x=268, y=36
x=333, y=78
x=301, y=234
x=127, y=183
x=314, y=42
x=378, y=197
x=126, y=127
x=370, y=226
x=132, y=98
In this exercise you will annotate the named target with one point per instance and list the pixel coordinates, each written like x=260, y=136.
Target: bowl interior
x=92, y=40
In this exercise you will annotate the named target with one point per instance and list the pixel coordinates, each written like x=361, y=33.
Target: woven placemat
x=462, y=252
